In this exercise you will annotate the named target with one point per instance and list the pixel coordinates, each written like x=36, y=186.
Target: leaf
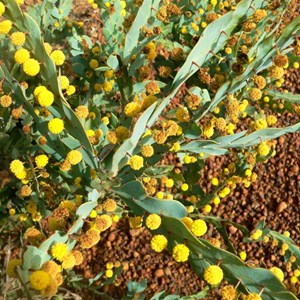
x=134, y=195
x=132, y=37
x=294, y=98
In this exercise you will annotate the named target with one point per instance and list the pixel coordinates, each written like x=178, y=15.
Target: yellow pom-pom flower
x=278, y=273
x=59, y=250
x=229, y=292
x=158, y=243
x=257, y=234
x=38, y=90
x=253, y=296
x=41, y=161
x=48, y=48
x=11, y=267
x=56, y=126
x=39, y=280
x=31, y=67
x=21, y=56
x=263, y=149
x=74, y=157
x=58, y=57
x=18, y=38
x=153, y=221
x=181, y=253
x=2, y=9
x=16, y=166
x=213, y=275
x=109, y=273
x=5, y=100
x=81, y=111
x=45, y=98
x=5, y=26
x=68, y=261
x=147, y=150
x=199, y=227
x=136, y=162
x=71, y=90
x=64, y=82
x=243, y=255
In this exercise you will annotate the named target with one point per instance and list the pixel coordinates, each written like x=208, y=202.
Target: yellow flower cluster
x=136, y=162
x=56, y=126
x=18, y=169
x=158, y=243
x=181, y=253
x=153, y=221
x=58, y=57
x=213, y=275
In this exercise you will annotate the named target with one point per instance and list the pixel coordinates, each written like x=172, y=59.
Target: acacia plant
x=93, y=131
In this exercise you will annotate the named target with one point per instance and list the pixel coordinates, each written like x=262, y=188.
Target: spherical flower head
x=16, y=166
x=109, y=273
x=263, y=149
x=25, y=191
x=58, y=57
x=39, y=280
x=131, y=109
x=89, y=239
x=41, y=161
x=199, y=228
x=112, y=137
x=45, y=98
x=38, y=90
x=51, y=267
x=56, y=126
x=243, y=255
x=94, y=64
x=135, y=222
x=81, y=111
x=2, y=9
x=122, y=133
x=5, y=26
x=5, y=100
x=253, y=296
x=188, y=222
x=147, y=151
x=184, y=187
x=68, y=261
x=59, y=250
x=278, y=273
x=181, y=253
x=158, y=243
x=71, y=90
x=11, y=267
x=256, y=234
x=103, y=222
x=48, y=48
x=64, y=82
x=31, y=67
x=110, y=205
x=74, y=157
x=255, y=94
x=229, y=292
x=213, y=275
x=18, y=38
x=153, y=221
x=78, y=257
x=136, y=162
x=21, y=56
